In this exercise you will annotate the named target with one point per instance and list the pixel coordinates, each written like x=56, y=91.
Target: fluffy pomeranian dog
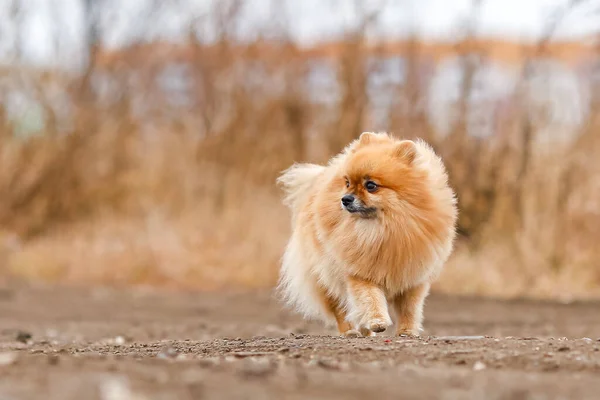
x=371, y=231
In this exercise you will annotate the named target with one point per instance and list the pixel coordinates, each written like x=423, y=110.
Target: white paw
x=367, y=332
x=351, y=333
x=378, y=325
x=409, y=332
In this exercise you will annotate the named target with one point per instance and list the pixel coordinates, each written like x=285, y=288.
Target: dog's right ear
x=406, y=150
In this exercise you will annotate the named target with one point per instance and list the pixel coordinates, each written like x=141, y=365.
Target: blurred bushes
x=156, y=164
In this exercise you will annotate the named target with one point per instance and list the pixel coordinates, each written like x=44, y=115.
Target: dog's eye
x=371, y=186
x=347, y=183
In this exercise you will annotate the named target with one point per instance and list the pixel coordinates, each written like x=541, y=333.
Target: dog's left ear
x=406, y=150
x=366, y=138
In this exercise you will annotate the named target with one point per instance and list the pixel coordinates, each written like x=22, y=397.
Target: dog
x=371, y=231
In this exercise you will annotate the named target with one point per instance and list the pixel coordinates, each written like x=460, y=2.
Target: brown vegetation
x=131, y=186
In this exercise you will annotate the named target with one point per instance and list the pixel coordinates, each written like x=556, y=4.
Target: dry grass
x=135, y=189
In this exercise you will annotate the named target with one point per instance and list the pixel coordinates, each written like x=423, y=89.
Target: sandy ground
x=65, y=343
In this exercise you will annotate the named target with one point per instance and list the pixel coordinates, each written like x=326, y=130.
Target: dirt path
x=59, y=343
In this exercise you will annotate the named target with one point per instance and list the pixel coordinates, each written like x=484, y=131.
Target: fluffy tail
x=296, y=182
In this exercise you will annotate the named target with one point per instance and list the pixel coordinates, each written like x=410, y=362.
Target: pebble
x=8, y=358
x=23, y=337
x=329, y=364
x=53, y=359
x=479, y=366
x=117, y=389
x=257, y=367
x=209, y=362
x=168, y=352
x=52, y=333
x=300, y=336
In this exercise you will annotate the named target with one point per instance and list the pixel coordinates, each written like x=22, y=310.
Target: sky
x=51, y=29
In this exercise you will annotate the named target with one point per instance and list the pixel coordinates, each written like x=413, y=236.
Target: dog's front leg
x=409, y=309
x=368, y=306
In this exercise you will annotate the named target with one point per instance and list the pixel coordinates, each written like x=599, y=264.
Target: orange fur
x=383, y=248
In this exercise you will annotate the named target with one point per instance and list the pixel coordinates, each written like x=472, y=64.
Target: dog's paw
x=351, y=334
x=409, y=332
x=378, y=325
x=367, y=332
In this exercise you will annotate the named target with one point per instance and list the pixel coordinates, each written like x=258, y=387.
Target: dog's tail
x=296, y=182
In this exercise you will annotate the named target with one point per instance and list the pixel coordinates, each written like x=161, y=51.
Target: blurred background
x=140, y=139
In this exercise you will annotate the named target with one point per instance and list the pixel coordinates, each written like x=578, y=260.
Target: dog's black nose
x=347, y=200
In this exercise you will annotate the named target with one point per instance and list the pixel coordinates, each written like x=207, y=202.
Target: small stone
x=257, y=367
x=117, y=389
x=563, y=348
x=23, y=337
x=52, y=333
x=8, y=358
x=53, y=359
x=209, y=362
x=330, y=364
x=167, y=352
x=479, y=366
x=300, y=336
x=119, y=340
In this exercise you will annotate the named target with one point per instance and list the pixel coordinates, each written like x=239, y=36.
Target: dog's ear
x=406, y=150
x=366, y=138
